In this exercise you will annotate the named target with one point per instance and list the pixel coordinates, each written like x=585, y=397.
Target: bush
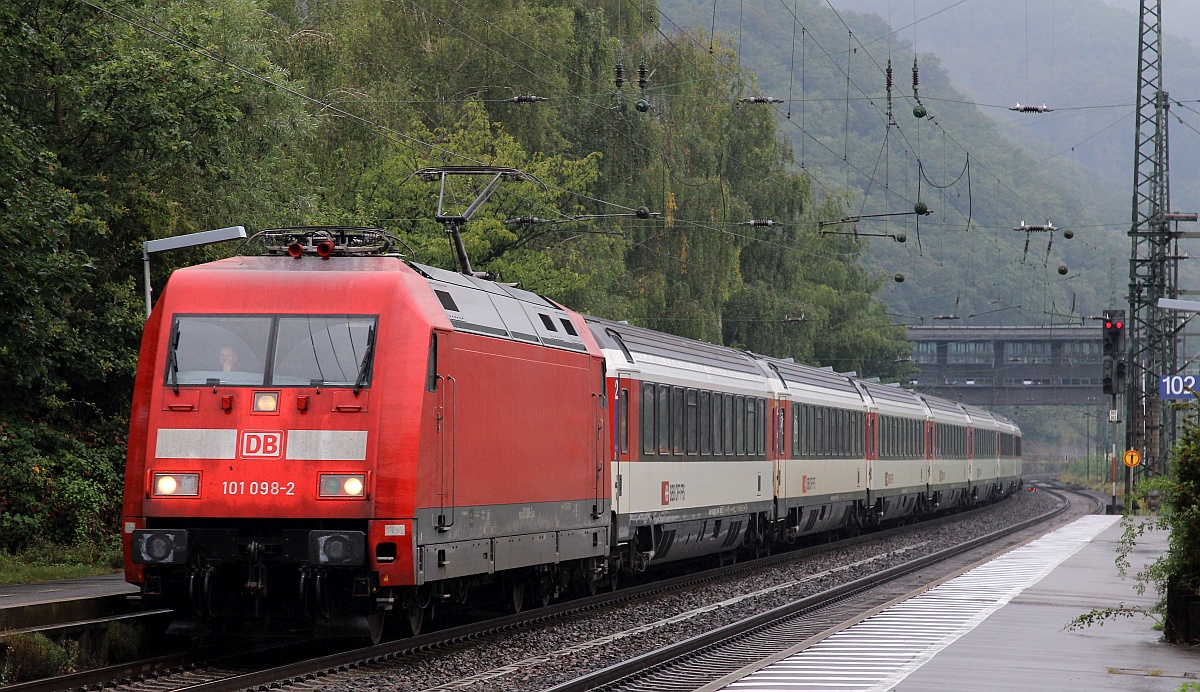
x=55, y=488
x=32, y=656
x=125, y=641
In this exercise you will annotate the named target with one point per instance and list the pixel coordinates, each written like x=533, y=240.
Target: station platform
x=38, y=606
x=1002, y=627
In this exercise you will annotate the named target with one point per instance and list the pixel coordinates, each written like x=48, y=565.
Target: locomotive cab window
x=269, y=350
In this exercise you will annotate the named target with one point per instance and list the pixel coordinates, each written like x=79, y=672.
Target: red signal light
x=1108, y=325
x=1119, y=325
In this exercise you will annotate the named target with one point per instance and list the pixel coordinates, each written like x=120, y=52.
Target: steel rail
x=628, y=671
x=219, y=666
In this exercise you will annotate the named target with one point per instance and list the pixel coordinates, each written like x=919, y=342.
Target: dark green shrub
x=57, y=488
x=32, y=656
x=125, y=641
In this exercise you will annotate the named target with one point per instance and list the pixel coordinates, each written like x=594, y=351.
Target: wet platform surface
x=1002, y=627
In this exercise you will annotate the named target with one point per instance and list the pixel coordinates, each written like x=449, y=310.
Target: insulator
x=901, y=238
x=889, y=76
x=526, y=98
x=642, y=105
x=899, y=278
x=760, y=99
x=525, y=221
x=919, y=111
x=1068, y=234
x=916, y=74
x=619, y=75
x=921, y=208
x=642, y=212
x=1062, y=269
x=643, y=75
x=764, y=223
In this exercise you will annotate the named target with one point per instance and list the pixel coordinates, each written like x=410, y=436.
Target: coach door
x=599, y=404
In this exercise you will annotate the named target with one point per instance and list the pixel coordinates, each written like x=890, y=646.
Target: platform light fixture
x=181, y=241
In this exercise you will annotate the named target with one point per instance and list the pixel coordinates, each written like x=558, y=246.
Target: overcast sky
x=1180, y=17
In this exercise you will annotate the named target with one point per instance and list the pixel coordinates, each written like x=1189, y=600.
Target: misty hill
x=1018, y=170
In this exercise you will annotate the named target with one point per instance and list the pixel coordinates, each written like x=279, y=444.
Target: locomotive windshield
x=267, y=350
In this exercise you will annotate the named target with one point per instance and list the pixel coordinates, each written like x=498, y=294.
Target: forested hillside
x=980, y=177
x=127, y=122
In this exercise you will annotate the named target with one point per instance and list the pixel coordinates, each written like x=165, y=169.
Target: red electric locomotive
x=324, y=435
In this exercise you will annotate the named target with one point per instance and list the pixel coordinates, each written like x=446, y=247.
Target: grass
x=41, y=562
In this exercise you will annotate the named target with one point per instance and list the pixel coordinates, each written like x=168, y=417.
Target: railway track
x=271, y=668
x=714, y=659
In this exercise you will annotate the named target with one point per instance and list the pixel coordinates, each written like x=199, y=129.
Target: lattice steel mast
x=1153, y=261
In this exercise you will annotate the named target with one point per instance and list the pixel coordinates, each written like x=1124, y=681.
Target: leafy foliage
x=29, y=656
x=158, y=118
x=1179, y=497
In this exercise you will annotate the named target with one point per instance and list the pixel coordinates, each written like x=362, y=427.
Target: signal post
x=1113, y=378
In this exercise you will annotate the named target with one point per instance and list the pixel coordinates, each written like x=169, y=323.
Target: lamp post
x=181, y=241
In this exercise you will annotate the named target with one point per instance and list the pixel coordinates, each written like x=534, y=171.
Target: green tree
x=112, y=135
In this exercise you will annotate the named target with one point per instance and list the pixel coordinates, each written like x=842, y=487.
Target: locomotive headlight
x=176, y=484
x=342, y=485
x=266, y=402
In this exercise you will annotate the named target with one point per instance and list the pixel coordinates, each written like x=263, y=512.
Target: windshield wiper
x=368, y=358
x=173, y=362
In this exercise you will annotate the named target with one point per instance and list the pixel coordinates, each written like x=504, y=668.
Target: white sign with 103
x=1176, y=386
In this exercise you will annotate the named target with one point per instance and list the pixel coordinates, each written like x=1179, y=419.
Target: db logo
x=262, y=444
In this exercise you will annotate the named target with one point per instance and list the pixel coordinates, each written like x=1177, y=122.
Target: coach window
x=858, y=433
x=664, y=419
x=835, y=432
x=739, y=425
x=831, y=432
x=692, y=421
x=810, y=427
x=718, y=424
x=729, y=426
x=751, y=427
x=648, y=442
x=826, y=427
x=795, y=430
x=624, y=421
x=851, y=434
x=762, y=426
x=843, y=433
x=705, y=423
x=677, y=420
